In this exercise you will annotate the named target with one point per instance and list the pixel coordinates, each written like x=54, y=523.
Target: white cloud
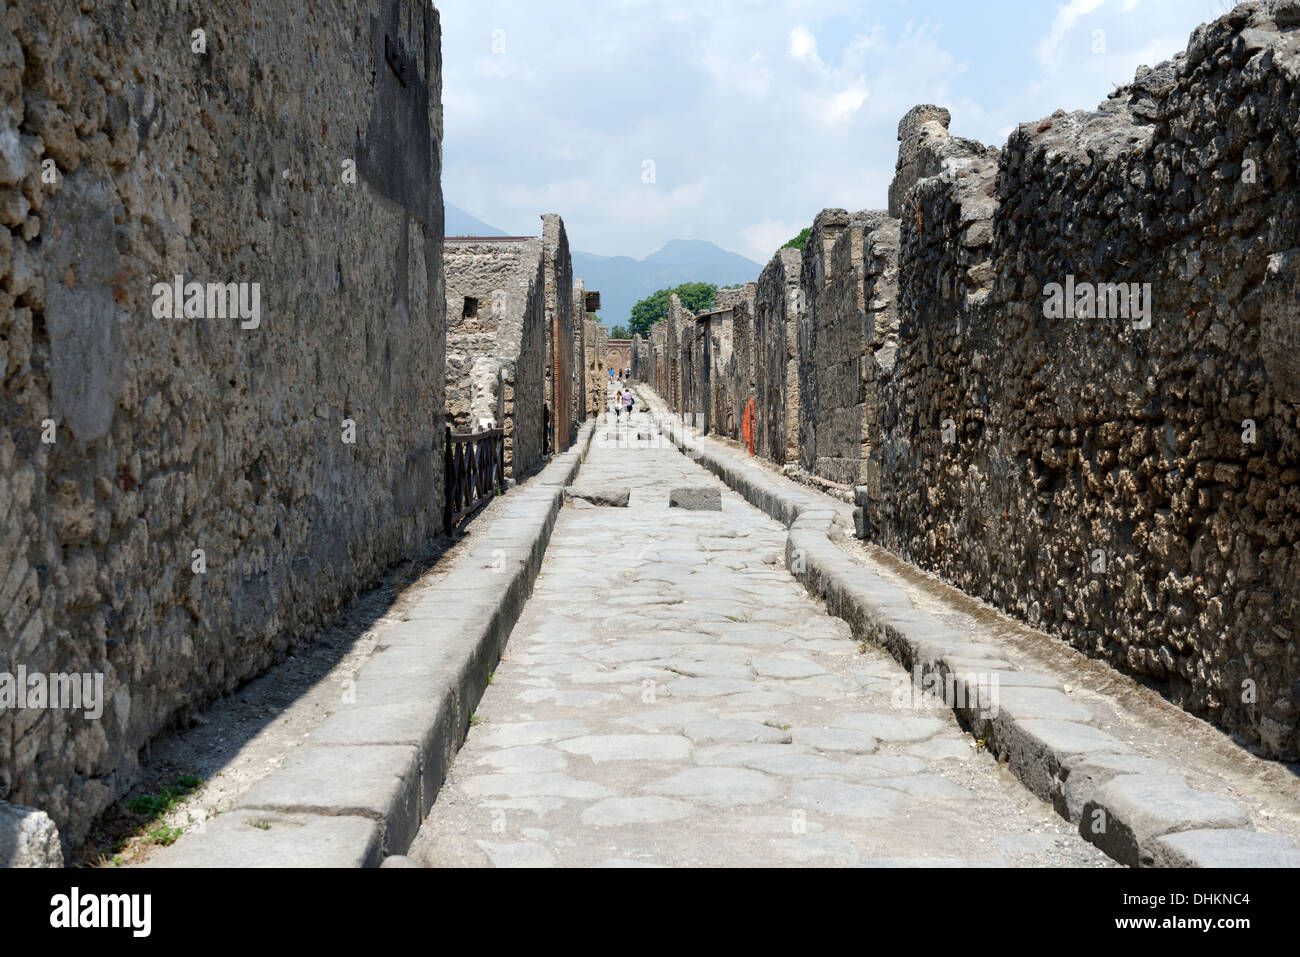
x=761, y=240
x=757, y=115
x=803, y=46
x=1051, y=49
x=838, y=107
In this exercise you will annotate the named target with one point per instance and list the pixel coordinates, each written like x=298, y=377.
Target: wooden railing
x=475, y=469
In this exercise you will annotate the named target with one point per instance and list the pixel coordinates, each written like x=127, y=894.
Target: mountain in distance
x=460, y=223
x=624, y=281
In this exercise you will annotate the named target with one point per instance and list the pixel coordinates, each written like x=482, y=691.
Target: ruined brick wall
x=284, y=152
x=579, y=360
x=618, y=355
x=815, y=270
x=496, y=349
x=857, y=331
x=739, y=369
x=776, y=339
x=659, y=347
x=642, y=369
x=559, y=330
x=692, y=356
x=1134, y=489
x=597, y=368
x=679, y=369
x=718, y=326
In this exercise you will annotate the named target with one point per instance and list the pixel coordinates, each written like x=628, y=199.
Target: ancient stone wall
x=597, y=368
x=738, y=370
x=659, y=350
x=1118, y=464
x=618, y=355
x=815, y=271
x=857, y=331
x=715, y=337
x=496, y=346
x=185, y=491
x=559, y=331
x=579, y=360
x=776, y=340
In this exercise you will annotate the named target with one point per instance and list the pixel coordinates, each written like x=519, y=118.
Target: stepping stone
x=845, y=800
x=614, y=496
x=723, y=787
x=618, y=812
x=704, y=498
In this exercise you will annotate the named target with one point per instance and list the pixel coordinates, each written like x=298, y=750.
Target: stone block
x=261, y=838
x=1224, y=847
x=698, y=498
x=1127, y=815
x=614, y=496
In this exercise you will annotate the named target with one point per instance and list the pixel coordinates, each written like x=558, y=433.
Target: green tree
x=654, y=308
x=798, y=241
x=620, y=332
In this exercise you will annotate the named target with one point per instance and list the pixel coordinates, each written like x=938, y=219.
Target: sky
x=736, y=121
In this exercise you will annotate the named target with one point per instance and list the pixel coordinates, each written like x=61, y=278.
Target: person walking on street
x=628, y=402
x=618, y=406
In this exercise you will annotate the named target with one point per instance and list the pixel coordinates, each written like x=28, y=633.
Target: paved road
x=672, y=696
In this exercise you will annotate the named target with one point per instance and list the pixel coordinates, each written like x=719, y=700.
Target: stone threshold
x=1138, y=810
x=355, y=793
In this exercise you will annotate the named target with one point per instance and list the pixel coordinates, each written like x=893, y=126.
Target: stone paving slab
x=1039, y=731
x=673, y=696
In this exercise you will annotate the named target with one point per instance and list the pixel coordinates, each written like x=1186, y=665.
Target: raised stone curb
x=1043, y=735
x=357, y=791
x=1130, y=813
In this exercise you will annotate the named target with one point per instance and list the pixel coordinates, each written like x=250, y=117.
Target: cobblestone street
x=671, y=696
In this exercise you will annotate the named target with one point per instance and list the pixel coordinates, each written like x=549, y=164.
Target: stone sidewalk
x=672, y=696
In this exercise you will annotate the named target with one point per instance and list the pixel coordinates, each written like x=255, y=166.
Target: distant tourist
x=618, y=405
x=627, y=403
